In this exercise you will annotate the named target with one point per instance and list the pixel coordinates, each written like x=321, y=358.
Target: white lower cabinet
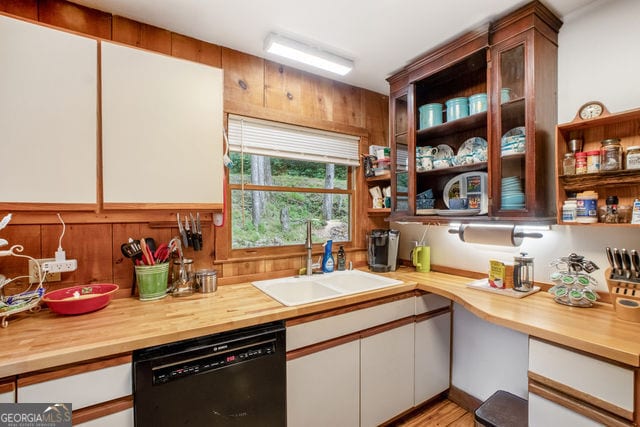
x=359, y=368
x=545, y=413
x=432, y=356
x=386, y=383
x=323, y=388
x=122, y=418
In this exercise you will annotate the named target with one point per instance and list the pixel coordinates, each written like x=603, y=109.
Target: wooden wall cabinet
x=48, y=118
x=514, y=62
x=625, y=184
x=161, y=130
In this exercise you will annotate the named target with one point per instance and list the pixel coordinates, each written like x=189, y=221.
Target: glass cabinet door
x=399, y=149
x=515, y=145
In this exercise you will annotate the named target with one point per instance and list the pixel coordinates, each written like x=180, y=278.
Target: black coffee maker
x=383, y=250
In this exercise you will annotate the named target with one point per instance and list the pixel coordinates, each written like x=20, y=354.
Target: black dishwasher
x=234, y=378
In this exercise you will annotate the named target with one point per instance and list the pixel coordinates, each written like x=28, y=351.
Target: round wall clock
x=591, y=110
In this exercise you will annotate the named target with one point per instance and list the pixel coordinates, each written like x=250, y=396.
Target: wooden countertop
x=44, y=340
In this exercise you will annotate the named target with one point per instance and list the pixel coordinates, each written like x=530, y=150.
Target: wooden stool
x=502, y=409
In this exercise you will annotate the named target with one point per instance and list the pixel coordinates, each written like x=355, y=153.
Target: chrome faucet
x=308, y=246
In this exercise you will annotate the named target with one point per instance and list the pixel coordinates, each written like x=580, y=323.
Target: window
x=282, y=176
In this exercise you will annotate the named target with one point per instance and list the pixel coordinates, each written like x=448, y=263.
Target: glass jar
x=611, y=155
x=610, y=214
x=569, y=164
x=581, y=163
x=633, y=157
x=593, y=161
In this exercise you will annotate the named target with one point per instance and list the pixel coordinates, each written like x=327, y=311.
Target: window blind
x=266, y=138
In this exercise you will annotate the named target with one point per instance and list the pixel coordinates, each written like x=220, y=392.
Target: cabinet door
x=398, y=104
x=386, y=383
x=323, y=387
x=161, y=130
x=543, y=413
x=48, y=110
x=432, y=357
x=8, y=392
x=121, y=419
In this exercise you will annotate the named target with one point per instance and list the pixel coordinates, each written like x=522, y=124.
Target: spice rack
x=625, y=184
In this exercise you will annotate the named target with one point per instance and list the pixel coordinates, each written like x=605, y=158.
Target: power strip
x=60, y=266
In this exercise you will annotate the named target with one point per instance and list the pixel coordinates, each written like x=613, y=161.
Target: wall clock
x=591, y=110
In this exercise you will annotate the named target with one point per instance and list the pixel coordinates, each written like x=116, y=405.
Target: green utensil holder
x=152, y=281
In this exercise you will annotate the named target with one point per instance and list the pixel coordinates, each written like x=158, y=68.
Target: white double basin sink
x=298, y=290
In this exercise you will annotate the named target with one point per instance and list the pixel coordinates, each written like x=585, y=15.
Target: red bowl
x=80, y=299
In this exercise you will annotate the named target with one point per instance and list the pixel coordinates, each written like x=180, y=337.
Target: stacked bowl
x=512, y=194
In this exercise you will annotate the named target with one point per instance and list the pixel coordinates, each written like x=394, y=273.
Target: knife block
x=625, y=296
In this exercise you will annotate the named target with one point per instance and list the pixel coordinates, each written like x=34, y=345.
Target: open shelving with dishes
x=512, y=108
x=622, y=183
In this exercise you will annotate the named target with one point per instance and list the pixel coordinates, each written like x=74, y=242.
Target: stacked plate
x=512, y=194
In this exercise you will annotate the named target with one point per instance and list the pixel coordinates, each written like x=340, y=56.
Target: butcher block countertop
x=43, y=340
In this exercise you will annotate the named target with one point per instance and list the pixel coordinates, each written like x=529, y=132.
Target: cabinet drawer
x=115, y=413
x=430, y=302
x=543, y=413
x=8, y=392
x=304, y=334
x=82, y=385
x=604, y=384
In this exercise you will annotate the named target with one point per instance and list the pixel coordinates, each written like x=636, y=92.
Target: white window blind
x=266, y=138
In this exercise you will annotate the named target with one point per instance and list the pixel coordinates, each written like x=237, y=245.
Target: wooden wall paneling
x=376, y=113
x=74, y=17
x=348, y=104
x=11, y=267
x=196, y=50
x=128, y=31
x=24, y=8
x=89, y=244
x=292, y=91
x=243, y=78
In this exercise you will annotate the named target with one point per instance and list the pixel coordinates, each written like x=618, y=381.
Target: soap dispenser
x=327, y=259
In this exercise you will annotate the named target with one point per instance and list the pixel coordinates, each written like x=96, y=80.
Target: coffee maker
x=383, y=250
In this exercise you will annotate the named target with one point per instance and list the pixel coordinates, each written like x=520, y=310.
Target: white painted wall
x=598, y=59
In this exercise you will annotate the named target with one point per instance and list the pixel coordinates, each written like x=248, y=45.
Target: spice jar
x=569, y=164
x=593, y=161
x=611, y=154
x=633, y=157
x=581, y=163
x=610, y=215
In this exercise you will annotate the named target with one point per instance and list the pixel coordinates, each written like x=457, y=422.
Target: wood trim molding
x=579, y=407
x=8, y=387
x=387, y=327
x=102, y=410
x=577, y=394
x=348, y=309
x=321, y=346
x=66, y=371
x=463, y=399
x=431, y=314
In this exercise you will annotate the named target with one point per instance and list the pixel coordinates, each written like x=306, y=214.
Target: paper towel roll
x=502, y=235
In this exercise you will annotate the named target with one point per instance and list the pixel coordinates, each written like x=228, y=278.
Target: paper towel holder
x=480, y=232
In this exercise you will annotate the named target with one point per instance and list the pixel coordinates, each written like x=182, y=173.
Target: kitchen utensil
x=523, y=273
x=617, y=257
x=199, y=229
x=133, y=251
x=161, y=254
x=194, y=234
x=635, y=261
x=183, y=233
x=151, y=244
x=147, y=257
x=187, y=230
x=610, y=258
x=626, y=263
x=80, y=299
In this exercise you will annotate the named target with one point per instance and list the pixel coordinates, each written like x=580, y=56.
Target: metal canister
x=207, y=281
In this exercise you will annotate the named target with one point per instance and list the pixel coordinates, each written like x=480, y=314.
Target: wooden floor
x=442, y=413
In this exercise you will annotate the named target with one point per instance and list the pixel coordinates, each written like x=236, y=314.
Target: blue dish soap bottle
x=327, y=259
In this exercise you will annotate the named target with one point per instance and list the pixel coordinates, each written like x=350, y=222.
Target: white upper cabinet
x=161, y=129
x=48, y=115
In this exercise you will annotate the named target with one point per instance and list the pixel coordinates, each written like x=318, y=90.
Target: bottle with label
x=327, y=259
x=342, y=259
x=587, y=210
x=569, y=210
x=569, y=164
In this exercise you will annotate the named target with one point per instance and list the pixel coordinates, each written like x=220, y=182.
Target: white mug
x=426, y=163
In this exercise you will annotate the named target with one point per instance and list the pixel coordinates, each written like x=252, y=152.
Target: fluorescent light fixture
x=310, y=55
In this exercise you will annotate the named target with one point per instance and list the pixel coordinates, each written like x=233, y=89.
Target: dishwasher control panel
x=220, y=357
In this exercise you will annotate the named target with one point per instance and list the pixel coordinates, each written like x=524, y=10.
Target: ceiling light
x=310, y=55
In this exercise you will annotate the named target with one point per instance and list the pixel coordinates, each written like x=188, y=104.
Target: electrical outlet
x=34, y=273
